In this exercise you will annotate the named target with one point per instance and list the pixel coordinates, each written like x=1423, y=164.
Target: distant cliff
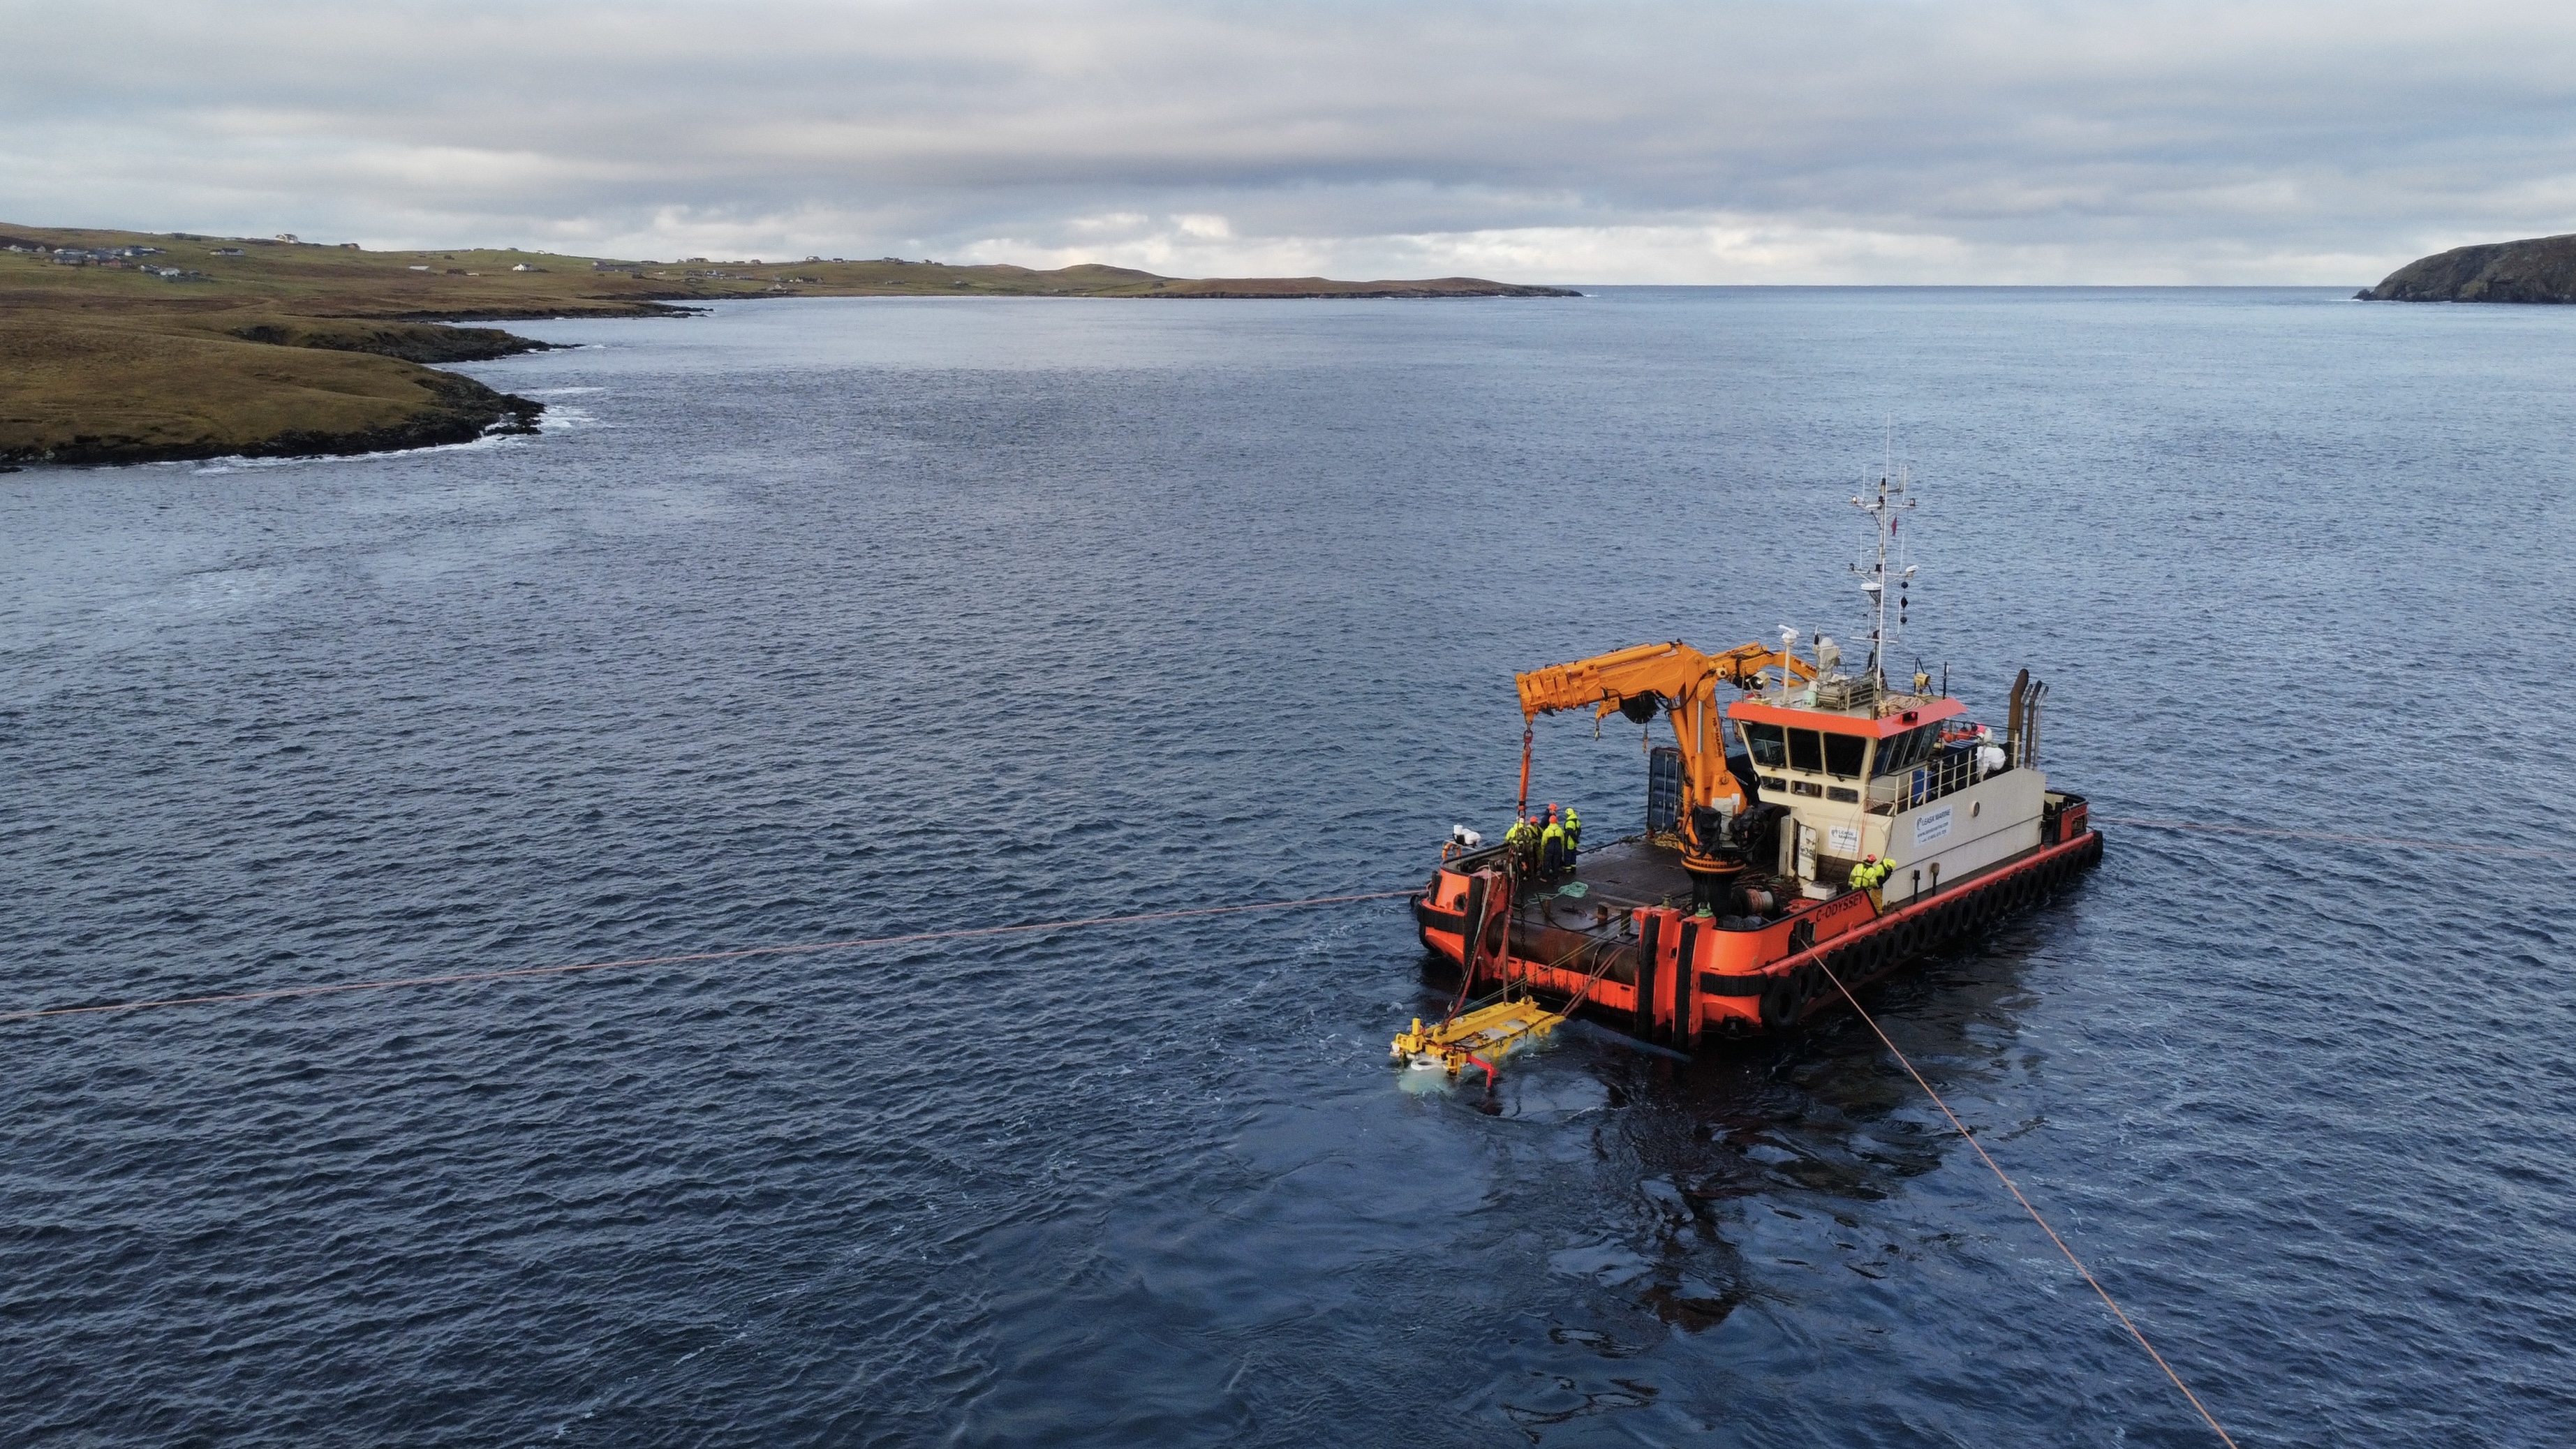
x=2542, y=269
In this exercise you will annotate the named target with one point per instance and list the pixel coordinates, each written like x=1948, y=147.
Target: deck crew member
x=1522, y=843
x=1573, y=838
x=1869, y=874
x=1551, y=847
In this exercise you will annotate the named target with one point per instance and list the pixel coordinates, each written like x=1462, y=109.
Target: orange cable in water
x=2464, y=847
x=800, y=949
x=2009, y=1186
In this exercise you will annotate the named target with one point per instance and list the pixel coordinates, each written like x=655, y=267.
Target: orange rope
x=2010, y=1187
x=2525, y=852
x=804, y=948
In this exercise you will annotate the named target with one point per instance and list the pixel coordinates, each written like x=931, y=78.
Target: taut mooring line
x=2011, y=1187
x=805, y=948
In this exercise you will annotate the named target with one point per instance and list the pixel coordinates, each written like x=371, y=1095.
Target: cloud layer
x=1836, y=141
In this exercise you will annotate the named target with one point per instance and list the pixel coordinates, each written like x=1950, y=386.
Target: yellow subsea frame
x=1487, y=1032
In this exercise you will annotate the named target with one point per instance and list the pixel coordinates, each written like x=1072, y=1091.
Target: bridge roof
x=1892, y=715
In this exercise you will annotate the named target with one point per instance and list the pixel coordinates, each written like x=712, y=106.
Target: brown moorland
x=134, y=347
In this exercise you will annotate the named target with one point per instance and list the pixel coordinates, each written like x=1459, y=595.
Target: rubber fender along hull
x=1678, y=979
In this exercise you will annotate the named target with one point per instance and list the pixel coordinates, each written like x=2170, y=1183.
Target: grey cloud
x=1901, y=141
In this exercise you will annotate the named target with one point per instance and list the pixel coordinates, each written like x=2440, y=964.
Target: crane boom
x=1671, y=677
x=1671, y=672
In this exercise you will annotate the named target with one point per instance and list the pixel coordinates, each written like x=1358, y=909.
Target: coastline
x=2535, y=271
x=131, y=347
x=87, y=392
x=466, y=410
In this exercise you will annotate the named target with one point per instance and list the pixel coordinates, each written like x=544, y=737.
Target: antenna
x=1884, y=504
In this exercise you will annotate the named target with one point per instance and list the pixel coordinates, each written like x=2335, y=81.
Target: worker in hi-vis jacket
x=1870, y=874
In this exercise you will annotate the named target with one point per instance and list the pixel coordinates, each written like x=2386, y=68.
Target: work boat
x=1814, y=826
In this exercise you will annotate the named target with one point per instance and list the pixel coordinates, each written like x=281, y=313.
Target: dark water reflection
x=821, y=620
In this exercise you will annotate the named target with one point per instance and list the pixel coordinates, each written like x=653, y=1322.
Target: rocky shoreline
x=405, y=340
x=456, y=409
x=464, y=411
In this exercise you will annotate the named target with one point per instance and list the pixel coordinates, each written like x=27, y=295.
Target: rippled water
x=824, y=619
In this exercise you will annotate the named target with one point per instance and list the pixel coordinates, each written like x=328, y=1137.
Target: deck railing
x=1947, y=772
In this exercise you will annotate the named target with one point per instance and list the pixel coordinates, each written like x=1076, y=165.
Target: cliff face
x=2542, y=269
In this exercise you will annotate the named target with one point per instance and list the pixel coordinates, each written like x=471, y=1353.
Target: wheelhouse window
x=1766, y=743
x=1903, y=752
x=1842, y=755
x=1806, y=751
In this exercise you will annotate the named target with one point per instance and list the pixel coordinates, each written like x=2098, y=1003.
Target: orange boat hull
x=1671, y=977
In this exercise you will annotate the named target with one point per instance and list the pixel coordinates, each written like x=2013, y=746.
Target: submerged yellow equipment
x=1477, y=1037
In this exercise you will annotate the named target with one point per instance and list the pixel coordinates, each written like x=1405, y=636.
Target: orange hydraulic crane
x=1681, y=681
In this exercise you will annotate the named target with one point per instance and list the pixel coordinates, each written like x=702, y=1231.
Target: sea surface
x=816, y=620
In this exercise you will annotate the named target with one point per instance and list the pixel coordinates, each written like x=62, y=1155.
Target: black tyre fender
x=1779, y=1002
x=1489, y=952
x=1817, y=983
x=1838, y=966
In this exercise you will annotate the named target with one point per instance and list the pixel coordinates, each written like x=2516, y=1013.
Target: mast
x=1884, y=504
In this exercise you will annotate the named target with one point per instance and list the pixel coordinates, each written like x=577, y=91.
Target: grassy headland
x=210, y=346
x=2535, y=269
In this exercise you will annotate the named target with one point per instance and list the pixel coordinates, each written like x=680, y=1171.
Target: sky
x=1823, y=141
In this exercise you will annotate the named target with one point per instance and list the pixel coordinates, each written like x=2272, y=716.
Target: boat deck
x=1633, y=872
x=1609, y=882
x=1613, y=880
